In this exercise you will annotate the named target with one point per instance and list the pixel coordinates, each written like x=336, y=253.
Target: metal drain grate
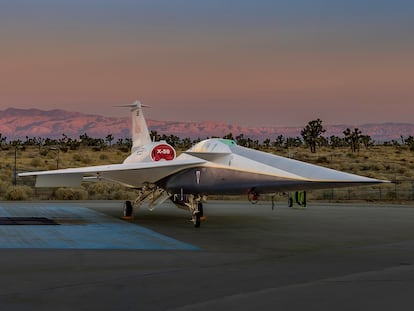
x=26, y=221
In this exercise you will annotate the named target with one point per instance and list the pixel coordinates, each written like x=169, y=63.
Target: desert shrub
x=108, y=191
x=124, y=149
x=17, y=193
x=77, y=157
x=36, y=162
x=402, y=171
x=86, y=160
x=376, y=167
x=6, y=175
x=74, y=147
x=32, y=155
x=80, y=158
x=102, y=190
x=99, y=188
x=103, y=157
x=370, y=167
x=71, y=194
x=122, y=194
x=408, y=174
x=3, y=187
x=322, y=159
x=391, y=195
x=51, y=166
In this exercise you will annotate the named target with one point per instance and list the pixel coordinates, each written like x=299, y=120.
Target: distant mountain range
x=19, y=123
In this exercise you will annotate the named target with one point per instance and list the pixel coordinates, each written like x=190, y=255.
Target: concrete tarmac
x=244, y=257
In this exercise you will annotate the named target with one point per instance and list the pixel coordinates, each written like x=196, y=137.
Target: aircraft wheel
x=128, y=209
x=197, y=220
x=200, y=209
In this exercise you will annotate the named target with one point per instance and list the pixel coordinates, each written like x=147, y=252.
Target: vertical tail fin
x=139, y=129
x=140, y=133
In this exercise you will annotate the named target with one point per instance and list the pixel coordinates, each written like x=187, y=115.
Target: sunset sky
x=253, y=63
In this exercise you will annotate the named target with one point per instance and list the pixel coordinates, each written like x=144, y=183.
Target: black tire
x=304, y=199
x=128, y=209
x=200, y=209
x=197, y=220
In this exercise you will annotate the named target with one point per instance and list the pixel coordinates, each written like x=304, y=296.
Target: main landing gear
x=150, y=195
x=198, y=215
x=192, y=203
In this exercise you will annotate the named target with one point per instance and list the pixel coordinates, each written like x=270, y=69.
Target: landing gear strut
x=192, y=203
x=150, y=195
x=198, y=214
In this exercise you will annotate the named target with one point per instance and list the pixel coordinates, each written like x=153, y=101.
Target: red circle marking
x=163, y=152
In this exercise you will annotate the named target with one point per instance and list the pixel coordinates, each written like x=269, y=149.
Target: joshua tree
x=109, y=138
x=353, y=138
x=312, y=134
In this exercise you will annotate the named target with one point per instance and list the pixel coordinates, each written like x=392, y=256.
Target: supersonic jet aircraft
x=213, y=166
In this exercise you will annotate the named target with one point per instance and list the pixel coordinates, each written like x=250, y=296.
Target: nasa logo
x=163, y=152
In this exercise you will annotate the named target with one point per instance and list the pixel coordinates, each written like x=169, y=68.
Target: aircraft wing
x=132, y=175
